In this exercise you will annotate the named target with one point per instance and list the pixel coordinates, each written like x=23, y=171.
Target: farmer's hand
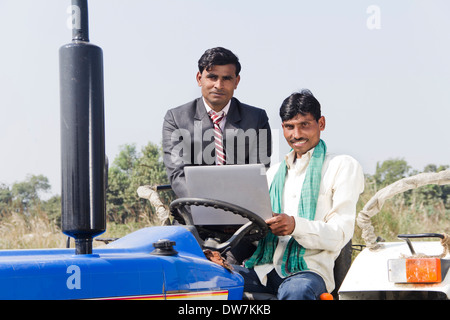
x=281, y=224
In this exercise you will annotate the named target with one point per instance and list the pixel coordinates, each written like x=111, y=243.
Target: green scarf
x=293, y=256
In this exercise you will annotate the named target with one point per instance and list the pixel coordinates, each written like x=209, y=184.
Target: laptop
x=242, y=185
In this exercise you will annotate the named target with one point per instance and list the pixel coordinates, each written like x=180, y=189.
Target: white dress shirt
x=342, y=183
x=225, y=110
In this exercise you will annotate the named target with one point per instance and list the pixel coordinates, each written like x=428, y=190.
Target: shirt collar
x=225, y=109
x=290, y=157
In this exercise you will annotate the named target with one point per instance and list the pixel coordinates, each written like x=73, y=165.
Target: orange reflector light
x=423, y=270
x=326, y=296
x=416, y=270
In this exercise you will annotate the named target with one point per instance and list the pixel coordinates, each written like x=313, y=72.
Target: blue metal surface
x=123, y=269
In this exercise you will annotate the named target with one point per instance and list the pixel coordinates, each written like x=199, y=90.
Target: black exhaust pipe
x=83, y=160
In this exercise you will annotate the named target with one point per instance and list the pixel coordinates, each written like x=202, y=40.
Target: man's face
x=302, y=133
x=218, y=85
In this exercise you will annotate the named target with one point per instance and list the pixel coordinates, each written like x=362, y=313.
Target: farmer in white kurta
x=313, y=196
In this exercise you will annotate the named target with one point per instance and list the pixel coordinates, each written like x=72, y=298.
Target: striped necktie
x=216, y=117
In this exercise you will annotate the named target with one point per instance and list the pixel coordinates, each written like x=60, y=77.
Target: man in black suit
x=190, y=136
x=188, y=131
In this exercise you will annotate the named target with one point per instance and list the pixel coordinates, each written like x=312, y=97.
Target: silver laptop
x=242, y=185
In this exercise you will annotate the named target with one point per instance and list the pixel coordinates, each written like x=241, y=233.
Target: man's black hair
x=302, y=103
x=218, y=57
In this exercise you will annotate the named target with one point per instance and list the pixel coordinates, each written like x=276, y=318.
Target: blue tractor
x=165, y=262
x=155, y=263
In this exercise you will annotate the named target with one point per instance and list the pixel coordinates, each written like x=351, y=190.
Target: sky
x=379, y=68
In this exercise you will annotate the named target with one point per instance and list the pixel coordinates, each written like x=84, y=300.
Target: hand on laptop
x=281, y=224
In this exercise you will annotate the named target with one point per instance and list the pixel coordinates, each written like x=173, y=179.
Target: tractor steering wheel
x=253, y=230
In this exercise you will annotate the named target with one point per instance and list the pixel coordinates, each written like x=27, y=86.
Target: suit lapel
x=232, y=129
x=202, y=123
x=233, y=119
x=200, y=110
x=234, y=115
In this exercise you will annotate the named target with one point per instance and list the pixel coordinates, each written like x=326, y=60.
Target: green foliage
x=390, y=171
x=5, y=199
x=432, y=192
x=28, y=192
x=52, y=207
x=23, y=197
x=395, y=169
x=129, y=171
x=23, y=212
x=425, y=209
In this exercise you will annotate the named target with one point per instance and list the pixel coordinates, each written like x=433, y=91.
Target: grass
x=36, y=230
x=399, y=216
x=19, y=231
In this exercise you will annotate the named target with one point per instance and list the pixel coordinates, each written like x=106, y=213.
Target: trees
x=23, y=195
x=28, y=192
x=22, y=206
x=28, y=221
x=130, y=170
x=392, y=170
x=5, y=199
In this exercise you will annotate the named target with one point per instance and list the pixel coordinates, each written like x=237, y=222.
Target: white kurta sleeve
x=342, y=183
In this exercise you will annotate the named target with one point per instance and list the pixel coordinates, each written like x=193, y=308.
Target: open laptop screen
x=242, y=185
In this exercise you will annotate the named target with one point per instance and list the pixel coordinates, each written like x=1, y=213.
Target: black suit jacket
x=188, y=139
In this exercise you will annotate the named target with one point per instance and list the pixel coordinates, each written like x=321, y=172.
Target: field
x=36, y=231
x=402, y=214
x=405, y=213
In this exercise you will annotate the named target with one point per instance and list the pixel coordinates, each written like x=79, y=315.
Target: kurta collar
x=290, y=157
